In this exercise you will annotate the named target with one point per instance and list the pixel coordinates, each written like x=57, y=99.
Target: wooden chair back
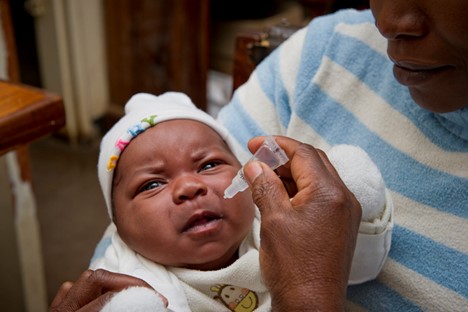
x=9, y=40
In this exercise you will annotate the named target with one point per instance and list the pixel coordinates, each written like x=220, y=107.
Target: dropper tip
x=229, y=193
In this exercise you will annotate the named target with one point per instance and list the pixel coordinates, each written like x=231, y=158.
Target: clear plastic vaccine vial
x=270, y=153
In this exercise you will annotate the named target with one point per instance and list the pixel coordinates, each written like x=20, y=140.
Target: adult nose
x=188, y=187
x=400, y=19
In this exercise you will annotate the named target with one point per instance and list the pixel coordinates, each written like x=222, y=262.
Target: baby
x=163, y=169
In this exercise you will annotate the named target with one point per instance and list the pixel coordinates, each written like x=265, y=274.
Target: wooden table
x=26, y=114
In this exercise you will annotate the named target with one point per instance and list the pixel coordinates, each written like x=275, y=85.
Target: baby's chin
x=210, y=263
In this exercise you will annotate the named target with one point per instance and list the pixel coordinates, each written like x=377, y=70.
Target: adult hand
x=309, y=227
x=92, y=291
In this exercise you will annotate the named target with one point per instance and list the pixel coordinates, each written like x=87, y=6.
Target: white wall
x=71, y=49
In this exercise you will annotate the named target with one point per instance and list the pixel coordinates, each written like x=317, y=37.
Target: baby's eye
x=210, y=165
x=151, y=185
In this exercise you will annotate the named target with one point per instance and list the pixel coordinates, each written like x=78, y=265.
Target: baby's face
x=168, y=197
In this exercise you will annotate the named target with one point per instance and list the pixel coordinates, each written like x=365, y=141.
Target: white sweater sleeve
x=363, y=178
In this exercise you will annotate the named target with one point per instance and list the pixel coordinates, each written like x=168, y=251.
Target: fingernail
x=253, y=170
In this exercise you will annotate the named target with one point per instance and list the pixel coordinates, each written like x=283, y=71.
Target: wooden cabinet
x=156, y=46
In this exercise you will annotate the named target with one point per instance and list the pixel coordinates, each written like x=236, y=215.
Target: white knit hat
x=143, y=111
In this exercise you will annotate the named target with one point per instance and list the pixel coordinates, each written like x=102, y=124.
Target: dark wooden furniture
x=156, y=46
x=253, y=46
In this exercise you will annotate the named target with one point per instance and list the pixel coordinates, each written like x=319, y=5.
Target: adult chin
x=440, y=90
x=437, y=102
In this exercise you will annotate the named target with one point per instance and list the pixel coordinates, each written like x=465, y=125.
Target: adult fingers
x=284, y=171
x=61, y=294
x=266, y=187
x=308, y=168
x=69, y=290
x=92, y=290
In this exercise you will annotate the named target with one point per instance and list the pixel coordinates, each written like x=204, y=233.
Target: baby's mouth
x=202, y=219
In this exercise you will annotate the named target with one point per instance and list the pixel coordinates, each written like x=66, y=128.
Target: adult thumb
x=267, y=189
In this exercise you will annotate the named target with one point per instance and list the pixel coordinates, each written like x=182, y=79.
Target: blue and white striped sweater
x=332, y=83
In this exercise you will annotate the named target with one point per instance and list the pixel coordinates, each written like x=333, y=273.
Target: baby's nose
x=188, y=187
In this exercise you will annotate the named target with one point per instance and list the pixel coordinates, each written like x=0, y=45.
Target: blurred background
x=96, y=54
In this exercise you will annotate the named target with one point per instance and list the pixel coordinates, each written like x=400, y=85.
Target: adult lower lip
x=409, y=77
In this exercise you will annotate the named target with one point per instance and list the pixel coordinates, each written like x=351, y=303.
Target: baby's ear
x=135, y=299
x=362, y=177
